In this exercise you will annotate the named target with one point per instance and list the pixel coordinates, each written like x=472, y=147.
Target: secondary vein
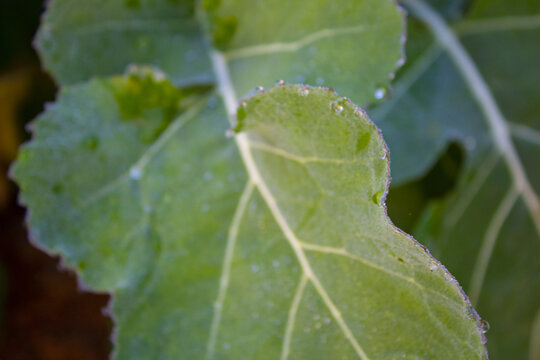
x=488, y=243
x=277, y=47
x=292, y=316
x=226, y=269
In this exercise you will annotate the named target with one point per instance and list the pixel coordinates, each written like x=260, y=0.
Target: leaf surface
x=215, y=248
x=78, y=40
x=476, y=82
x=232, y=273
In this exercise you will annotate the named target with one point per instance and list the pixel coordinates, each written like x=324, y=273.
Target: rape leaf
x=222, y=248
x=205, y=261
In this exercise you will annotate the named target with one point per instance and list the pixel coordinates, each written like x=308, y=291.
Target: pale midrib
x=486, y=101
x=227, y=91
x=226, y=268
x=277, y=47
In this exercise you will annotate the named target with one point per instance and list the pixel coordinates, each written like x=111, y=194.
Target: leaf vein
x=226, y=269
x=488, y=243
x=229, y=96
x=292, y=316
x=277, y=47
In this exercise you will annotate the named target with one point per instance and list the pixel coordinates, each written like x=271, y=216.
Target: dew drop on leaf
x=484, y=325
x=380, y=93
x=337, y=108
x=303, y=92
x=135, y=173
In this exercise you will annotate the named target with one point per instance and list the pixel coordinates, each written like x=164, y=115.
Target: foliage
x=261, y=232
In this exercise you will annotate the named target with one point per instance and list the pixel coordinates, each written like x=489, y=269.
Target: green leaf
x=273, y=245
x=78, y=40
x=350, y=45
x=476, y=82
x=199, y=267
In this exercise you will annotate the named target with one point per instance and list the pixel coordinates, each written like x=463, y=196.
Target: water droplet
x=275, y=263
x=448, y=277
x=207, y=176
x=484, y=326
x=254, y=268
x=433, y=266
x=303, y=91
x=380, y=93
x=280, y=83
x=359, y=112
x=319, y=81
x=260, y=89
x=205, y=208
x=400, y=62
x=336, y=107
x=326, y=321
x=135, y=173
